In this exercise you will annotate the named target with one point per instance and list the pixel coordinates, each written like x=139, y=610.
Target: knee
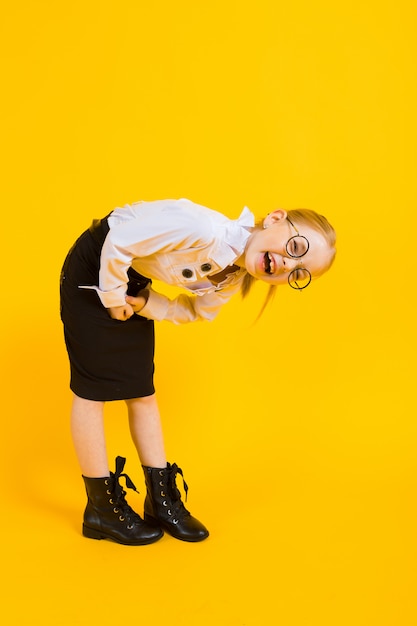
x=144, y=401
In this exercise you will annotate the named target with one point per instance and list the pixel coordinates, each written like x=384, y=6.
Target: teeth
x=269, y=263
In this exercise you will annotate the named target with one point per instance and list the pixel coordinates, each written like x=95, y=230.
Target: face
x=267, y=258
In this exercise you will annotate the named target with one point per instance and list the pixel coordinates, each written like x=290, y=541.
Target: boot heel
x=91, y=533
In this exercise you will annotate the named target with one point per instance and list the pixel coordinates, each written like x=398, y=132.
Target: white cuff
x=156, y=307
x=116, y=297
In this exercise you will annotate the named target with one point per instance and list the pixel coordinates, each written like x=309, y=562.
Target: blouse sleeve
x=187, y=308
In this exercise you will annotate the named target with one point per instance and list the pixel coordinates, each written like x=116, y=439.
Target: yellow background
x=297, y=435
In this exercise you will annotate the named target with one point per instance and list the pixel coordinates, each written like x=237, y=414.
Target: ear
x=276, y=216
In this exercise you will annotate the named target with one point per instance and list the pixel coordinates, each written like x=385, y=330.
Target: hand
x=138, y=302
x=121, y=313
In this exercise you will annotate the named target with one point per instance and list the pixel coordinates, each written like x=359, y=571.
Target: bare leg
x=146, y=430
x=87, y=427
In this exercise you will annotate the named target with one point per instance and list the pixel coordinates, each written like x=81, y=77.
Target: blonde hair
x=306, y=217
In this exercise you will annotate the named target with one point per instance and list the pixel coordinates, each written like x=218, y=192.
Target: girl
x=108, y=308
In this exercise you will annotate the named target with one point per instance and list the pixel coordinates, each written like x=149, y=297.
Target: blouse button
x=187, y=273
x=206, y=267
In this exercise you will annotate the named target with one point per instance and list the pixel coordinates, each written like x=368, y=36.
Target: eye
x=295, y=247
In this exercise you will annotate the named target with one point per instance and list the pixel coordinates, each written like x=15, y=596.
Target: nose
x=288, y=264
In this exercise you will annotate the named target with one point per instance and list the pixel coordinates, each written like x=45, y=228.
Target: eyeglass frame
x=297, y=257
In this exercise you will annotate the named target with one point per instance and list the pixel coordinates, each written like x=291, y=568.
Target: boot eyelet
x=175, y=521
x=161, y=473
x=164, y=503
x=129, y=526
x=111, y=501
x=161, y=484
x=169, y=512
x=115, y=510
x=121, y=518
x=106, y=482
x=162, y=494
x=108, y=492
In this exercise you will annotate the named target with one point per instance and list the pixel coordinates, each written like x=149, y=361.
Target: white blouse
x=180, y=243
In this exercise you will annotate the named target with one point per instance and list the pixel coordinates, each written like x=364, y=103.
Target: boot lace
x=125, y=511
x=178, y=509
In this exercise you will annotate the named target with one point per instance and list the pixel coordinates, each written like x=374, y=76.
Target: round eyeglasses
x=296, y=247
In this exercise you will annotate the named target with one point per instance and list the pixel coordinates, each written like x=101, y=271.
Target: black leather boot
x=108, y=515
x=164, y=508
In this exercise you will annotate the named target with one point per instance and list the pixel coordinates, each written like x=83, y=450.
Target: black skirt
x=109, y=359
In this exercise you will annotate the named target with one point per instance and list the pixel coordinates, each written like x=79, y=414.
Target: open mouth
x=269, y=264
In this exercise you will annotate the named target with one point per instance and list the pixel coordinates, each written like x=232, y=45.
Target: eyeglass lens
x=297, y=246
x=299, y=278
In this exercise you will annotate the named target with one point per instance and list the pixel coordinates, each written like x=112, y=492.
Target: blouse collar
x=238, y=231
x=235, y=235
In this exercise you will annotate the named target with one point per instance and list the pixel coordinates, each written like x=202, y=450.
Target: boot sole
x=92, y=533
